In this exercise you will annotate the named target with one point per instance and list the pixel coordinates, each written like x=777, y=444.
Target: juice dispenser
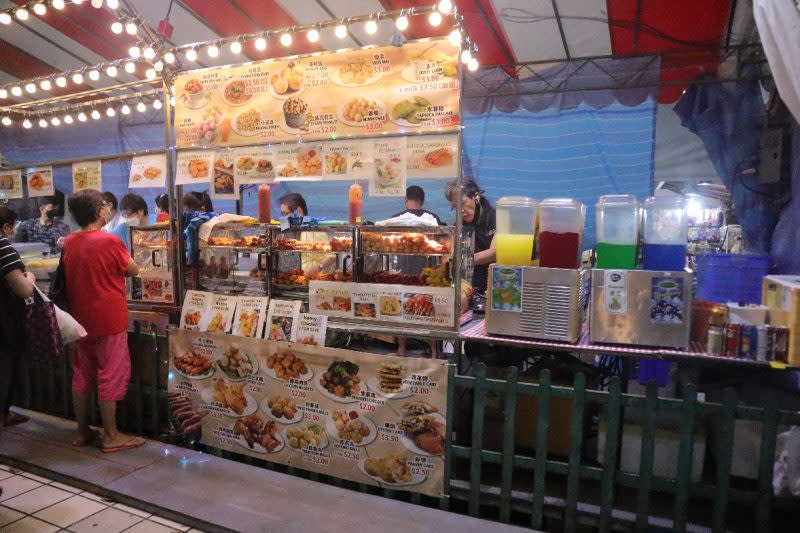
x=617, y=217
x=665, y=233
x=560, y=229
x=516, y=216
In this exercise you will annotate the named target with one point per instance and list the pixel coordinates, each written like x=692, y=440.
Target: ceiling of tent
x=506, y=31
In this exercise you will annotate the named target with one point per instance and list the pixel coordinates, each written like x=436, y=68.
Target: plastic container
x=264, y=203
x=560, y=229
x=356, y=203
x=617, y=217
x=516, y=217
x=665, y=233
x=724, y=278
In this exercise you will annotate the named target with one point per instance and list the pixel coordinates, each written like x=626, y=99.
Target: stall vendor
x=133, y=212
x=477, y=213
x=311, y=263
x=162, y=208
x=47, y=228
x=116, y=218
x=415, y=199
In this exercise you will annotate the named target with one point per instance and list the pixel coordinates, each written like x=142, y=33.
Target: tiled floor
x=34, y=504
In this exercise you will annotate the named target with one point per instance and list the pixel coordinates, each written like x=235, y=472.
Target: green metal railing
x=529, y=486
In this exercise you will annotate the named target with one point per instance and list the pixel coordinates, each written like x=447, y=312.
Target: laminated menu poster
x=364, y=417
x=148, y=171
x=347, y=159
x=11, y=183
x=195, y=167
x=223, y=186
x=282, y=319
x=311, y=329
x=432, y=156
x=196, y=305
x=40, y=181
x=349, y=93
x=220, y=314
x=87, y=175
x=254, y=164
x=251, y=313
x=388, y=177
x=156, y=286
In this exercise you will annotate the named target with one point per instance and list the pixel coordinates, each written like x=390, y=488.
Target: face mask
x=132, y=221
x=50, y=214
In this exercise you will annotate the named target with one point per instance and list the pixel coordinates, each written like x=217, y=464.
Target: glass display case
x=40, y=261
x=233, y=260
x=303, y=254
x=151, y=248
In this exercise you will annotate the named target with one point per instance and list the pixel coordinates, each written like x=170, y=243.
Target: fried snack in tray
x=282, y=406
x=301, y=246
x=341, y=244
x=391, y=468
x=254, y=241
x=230, y=395
x=255, y=429
x=235, y=363
x=406, y=243
x=183, y=415
x=342, y=379
x=286, y=365
x=394, y=278
x=304, y=435
x=193, y=364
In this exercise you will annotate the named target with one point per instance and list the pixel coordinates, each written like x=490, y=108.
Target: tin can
x=780, y=336
x=748, y=348
x=716, y=340
x=764, y=343
x=733, y=338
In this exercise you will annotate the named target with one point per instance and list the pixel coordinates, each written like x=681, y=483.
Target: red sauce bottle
x=264, y=200
x=356, y=196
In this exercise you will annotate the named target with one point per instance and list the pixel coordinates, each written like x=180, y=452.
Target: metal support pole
x=174, y=207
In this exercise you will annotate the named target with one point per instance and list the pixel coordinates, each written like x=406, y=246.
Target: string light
x=112, y=4
x=3, y=94
x=135, y=52
x=16, y=90
x=45, y=85
x=455, y=37
x=112, y=71
x=435, y=19
x=473, y=65
x=466, y=55
x=6, y=121
x=94, y=75
x=169, y=57
x=68, y=119
x=116, y=27
x=313, y=35
x=236, y=47
x=95, y=114
x=150, y=73
x=82, y=116
x=55, y=121
x=157, y=104
x=125, y=109
x=130, y=67
x=61, y=81
x=110, y=112
x=371, y=27
x=212, y=50
x=59, y=4
x=401, y=22
x=42, y=123
x=30, y=88
x=131, y=28
x=286, y=39
x=26, y=124
x=22, y=13
x=77, y=78
x=341, y=31
x=97, y=3
x=149, y=53
x=140, y=107
x=40, y=9
x=261, y=44
x=191, y=54
x=5, y=18
x=159, y=66
x=445, y=7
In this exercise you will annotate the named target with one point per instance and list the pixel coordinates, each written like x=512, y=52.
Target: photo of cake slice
x=390, y=378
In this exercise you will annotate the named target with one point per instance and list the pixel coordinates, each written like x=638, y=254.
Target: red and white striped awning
x=506, y=31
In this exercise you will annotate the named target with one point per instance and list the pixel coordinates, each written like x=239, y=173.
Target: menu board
x=389, y=176
x=11, y=183
x=381, y=421
x=360, y=93
x=40, y=181
x=194, y=167
x=432, y=156
x=223, y=186
x=148, y=171
x=253, y=164
x=87, y=175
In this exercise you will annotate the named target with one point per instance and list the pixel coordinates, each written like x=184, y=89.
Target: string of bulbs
x=39, y=8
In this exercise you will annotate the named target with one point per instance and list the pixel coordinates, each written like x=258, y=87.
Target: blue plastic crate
x=726, y=278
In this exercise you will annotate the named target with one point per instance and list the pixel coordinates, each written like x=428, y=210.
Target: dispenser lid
x=562, y=203
x=665, y=200
x=617, y=200
x=516, y=201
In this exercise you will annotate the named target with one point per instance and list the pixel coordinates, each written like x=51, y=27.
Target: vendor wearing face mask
x=478, y=214
x=47, y=228
x=133, y=210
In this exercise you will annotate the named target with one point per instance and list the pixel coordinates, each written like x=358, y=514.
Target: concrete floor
x=215, y=494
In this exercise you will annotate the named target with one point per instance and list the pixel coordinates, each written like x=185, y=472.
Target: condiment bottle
x=264, y=200
x=356, y=196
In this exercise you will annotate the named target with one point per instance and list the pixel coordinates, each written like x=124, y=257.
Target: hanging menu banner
x=365, y=417
x=40, y=181
x=11, y=183
x=148, y=171
x=361, y=93
x=87, y=175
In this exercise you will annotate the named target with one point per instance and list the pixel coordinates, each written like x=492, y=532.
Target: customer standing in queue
x=162, y=208
x=15, y=286
x=476, y=213
x=133, y=212
x=47, y=228
x=95, y=266
x=116, y=217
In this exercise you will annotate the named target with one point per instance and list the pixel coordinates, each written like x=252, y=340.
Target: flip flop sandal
x=135, y=443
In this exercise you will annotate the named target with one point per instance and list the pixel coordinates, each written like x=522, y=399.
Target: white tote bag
x=71, y=330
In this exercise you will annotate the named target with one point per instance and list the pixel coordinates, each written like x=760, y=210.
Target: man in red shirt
x=95, y=266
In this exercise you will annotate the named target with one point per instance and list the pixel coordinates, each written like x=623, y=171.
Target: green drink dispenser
x=617, y=223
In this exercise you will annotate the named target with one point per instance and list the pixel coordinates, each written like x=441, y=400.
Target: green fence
x=555, y=490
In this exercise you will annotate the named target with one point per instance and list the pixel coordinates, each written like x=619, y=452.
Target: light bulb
x=82, y=116
x=61, y=81
x=96, y=114
x=30, y=87
x=22, y=13
x=3, y=94
x=55, y=121
x=455, y=37
x=157, y=104
x=68, y=119
x=473, y=65
x=77, y=78
x=341, y=31
x=110, y=112
x=42, y=123
x=97, y=3
x=191, y=54
x=131, y=28
x=26, y=124
x=78, y=2
x=401, y=22
x=172, y=101
x=212, y=51
x=169, y=57
x=140, y=107
x=125, y=109
x=45, y=85
x=286, y=39
x=5, y=18
x=40, y=9
x=94, y=75
x=150, y=73
x=16, y=90
x=135, y=52
x=59, y=4
x=130, y=67
x=313, y=35
x=236, y=47
x=466, y=55
x=435, y=18
x=112, y=71
x=116, y=27
x=371, y=27
x=445, y=6
x=6, y=121
x=149, y=53
x=261, y=44
x=112, y=4
x=159, y=66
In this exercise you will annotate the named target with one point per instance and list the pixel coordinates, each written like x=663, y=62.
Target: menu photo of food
x=296, y=116
x=418, y=305
x=285, y=365
x=311, y=329
x=193, y=364
x=430, y=64
x=432, y=156
x=195, y=308
x=282, y=408
x=11, y=183
x=282, y=318
x=341, y=382
x=220, y=313
x=257, y=434
x=251, y=312
x=237, y=364
x=363, y=111
x=253, y=164
x=424, y=428
x=390, y=469
x=288, y=81
x=235, y=92
x=389, y=381
x=230, y=398
x=193, y=93
x=157, y=286
x=355, y=71
x=346, y=159
x=304, y=436
x=351, y=426
x=148, y=171
x=309, y=161
x=194, y=167
x=40, y=181
x=223, y=185
x=87, y=175
x=391, y=305
x=389, y=175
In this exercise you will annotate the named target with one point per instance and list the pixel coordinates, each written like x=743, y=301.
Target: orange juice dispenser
x=516, y=217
